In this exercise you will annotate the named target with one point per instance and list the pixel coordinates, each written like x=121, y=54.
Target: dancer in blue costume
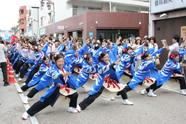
x=30, y=62
x=112, y=51
x=60, y=79
x=23, y=58
x=169, y=67
x=126, y=61
x=44, y=81
x=87, y=68
x=104, y=68
x=36, y=78
x=145, y=69
x=41, y=52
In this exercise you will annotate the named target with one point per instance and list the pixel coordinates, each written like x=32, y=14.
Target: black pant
x=29, y=78
x=32, y=93
x=38, y=106
x=90, y=99
x=18, y=66
x=25, y=87
x=24, y=69
x=15, y=64
x=130, y=76
x=153, y=87
x=123, y=92
x=180, y=79
x=4, y=71
x=13, y=58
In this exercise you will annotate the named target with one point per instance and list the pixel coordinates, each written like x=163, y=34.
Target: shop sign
x=42, y=31
x=61, y=27
x=158, y=6
x=90, y=34
x=183, y=31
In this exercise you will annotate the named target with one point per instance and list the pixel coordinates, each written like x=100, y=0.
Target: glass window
x=82, y=9
x=41, y=21
x=21, y=11
x=49, y=18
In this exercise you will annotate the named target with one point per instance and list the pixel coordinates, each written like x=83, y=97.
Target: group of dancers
x=50, y=65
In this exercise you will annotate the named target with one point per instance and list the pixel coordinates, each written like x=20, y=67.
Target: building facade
x=22, y=19
x=101, y=19
x=167, y=18
x=29, y=21
x=33, y=22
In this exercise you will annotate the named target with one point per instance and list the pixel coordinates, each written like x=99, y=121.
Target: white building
x=32, y=29
x=164, y=11
x=68, y=8
x=167, y=18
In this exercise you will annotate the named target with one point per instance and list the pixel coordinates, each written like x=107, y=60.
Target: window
x=41, y=21
x=30, y=13
x=22, y=31
x=81, y=9
x=49, y=18
x=135, y=11
x=21, y=21
x=21, y=11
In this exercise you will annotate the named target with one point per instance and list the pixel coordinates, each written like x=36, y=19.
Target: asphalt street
x=168, y=107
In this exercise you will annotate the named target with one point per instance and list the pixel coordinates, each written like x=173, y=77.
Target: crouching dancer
x=169, y=67
x=105, y=69
x=60, y=79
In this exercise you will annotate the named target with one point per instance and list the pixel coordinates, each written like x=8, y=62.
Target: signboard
x=90, y=34
x=158, y=6
x=61, y=27
x=42, y=31
x=183, y=31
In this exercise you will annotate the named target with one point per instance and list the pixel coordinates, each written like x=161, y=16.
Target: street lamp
x=49, y=3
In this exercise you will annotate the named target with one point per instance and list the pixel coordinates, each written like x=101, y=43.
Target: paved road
x=168, y=108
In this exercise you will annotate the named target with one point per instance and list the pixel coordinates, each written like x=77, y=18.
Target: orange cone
x=10, y=73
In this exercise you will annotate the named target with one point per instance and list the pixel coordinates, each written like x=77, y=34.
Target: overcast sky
x=9, y=11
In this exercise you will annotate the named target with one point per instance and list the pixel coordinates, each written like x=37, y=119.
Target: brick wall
x=106, y=20
x=23, y=17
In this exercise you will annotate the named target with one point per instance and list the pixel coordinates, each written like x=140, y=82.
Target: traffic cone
x=10, y=73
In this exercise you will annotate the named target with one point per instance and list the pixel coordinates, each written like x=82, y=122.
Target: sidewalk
x=11, y=107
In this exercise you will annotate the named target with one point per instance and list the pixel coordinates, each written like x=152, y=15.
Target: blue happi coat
x=36, y=78
x=83, y=50
x=57, y=80
x=71, y=60
x=95, y=54
x=112, y=55
x=46, y=79
x=84, y=73
x=103, y=71
x=145, y=69
x=125, y=63
x=167, y=71
x=39, y=57
x=41, y=54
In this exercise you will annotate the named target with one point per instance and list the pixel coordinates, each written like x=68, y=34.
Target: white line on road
x=27, y=106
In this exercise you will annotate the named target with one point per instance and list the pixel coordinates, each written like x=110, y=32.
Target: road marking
x=27, y=106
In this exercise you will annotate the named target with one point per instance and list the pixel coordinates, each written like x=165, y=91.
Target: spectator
x=183, y=45
x=3, y=61
x=174, y=46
